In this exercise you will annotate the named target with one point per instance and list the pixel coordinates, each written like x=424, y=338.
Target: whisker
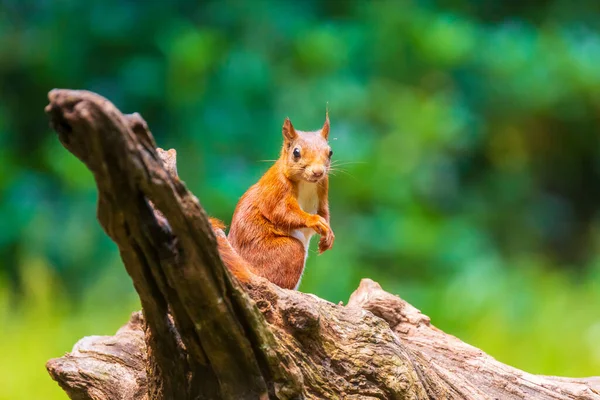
x=334, y=171
x=347, y=162
x=337, y=169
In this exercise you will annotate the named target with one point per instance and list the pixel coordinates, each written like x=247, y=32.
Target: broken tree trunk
x=200, y=335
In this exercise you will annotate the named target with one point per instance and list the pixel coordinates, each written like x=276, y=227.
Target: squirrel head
x=306, y=155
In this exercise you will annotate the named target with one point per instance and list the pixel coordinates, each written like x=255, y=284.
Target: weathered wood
x=174, y=267
x=378, y=347
x=450, y=368
x=201, y=336
x=105, y=367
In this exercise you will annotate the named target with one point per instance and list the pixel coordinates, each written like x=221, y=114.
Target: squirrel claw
x=326, y=242
x=321, y=226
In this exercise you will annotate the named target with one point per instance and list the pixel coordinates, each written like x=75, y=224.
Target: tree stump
x=200, y=335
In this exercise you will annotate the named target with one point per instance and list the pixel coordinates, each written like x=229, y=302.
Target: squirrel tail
x=232, y=260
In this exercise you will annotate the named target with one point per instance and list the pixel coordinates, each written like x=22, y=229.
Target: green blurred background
x=468, y=131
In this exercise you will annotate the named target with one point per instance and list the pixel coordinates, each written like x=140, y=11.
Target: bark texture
x=202, y=336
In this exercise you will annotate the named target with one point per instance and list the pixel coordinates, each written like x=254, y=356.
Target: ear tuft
x=325, y=128
x=289, y=133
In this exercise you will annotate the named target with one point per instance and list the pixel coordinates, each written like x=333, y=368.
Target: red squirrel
x=274, y=220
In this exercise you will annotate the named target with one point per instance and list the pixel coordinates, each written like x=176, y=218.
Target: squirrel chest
x=308, y=200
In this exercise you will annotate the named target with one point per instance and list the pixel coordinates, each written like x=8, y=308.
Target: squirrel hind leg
x=281, y=262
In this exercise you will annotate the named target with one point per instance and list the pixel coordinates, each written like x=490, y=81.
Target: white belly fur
x=308, y=199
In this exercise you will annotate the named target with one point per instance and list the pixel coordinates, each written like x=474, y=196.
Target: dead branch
x=201, y=336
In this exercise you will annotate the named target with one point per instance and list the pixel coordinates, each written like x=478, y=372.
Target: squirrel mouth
x=313, y=179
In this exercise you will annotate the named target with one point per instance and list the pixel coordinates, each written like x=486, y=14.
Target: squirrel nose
x=318, y=172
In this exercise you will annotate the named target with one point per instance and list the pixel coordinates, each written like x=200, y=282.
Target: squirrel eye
x=296, y=153
x=330, y=153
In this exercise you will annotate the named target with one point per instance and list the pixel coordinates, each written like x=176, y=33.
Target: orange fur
x=269, y=229
x=232, y=260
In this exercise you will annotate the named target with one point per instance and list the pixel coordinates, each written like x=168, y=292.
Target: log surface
x=202, y=336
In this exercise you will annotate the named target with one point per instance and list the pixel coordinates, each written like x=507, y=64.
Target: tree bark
x=201, y=335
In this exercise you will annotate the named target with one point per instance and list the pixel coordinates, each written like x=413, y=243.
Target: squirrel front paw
x=321, y=226
x=326, y=241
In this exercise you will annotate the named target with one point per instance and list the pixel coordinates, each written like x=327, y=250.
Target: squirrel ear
x=325, y=128
x=289, y=133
